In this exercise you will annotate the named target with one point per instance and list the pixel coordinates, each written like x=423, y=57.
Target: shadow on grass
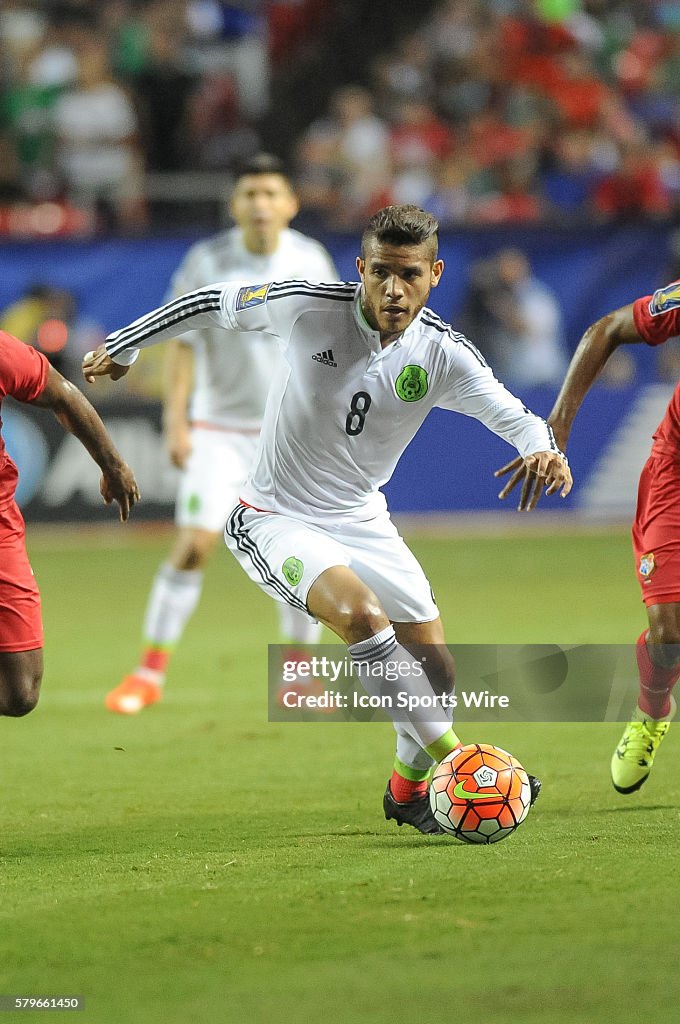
x=638, y=807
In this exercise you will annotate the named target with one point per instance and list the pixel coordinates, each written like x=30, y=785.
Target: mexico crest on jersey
x=411, y=384
x=647, y=564
x=253, y=295
x=665, y=299
x=293, y=569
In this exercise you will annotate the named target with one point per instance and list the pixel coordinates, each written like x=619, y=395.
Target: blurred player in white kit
x=214, y=404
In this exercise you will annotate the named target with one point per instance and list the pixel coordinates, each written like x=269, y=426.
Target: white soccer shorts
x=209, y=486
x=285, y=556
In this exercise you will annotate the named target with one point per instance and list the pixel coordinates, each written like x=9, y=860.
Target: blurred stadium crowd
x=485, y=111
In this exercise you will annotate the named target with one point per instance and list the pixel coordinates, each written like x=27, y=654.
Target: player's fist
x=100, y=364
x=118, y=484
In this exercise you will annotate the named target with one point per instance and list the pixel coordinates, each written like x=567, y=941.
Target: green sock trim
x=412, y=774
x=151, y=645
x=443, y=746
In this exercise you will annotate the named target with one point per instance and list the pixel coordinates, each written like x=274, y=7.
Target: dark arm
x=76, y=415
x=594, y=349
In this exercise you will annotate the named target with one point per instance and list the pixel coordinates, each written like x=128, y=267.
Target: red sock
x=295, y=654
x=155, y=658
x=656, y=682
x=404, y=790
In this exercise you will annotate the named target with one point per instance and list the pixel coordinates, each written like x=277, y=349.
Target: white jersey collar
x=373, y=337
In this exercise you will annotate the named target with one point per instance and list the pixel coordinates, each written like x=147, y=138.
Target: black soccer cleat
x=535, y=786
x=416, y=812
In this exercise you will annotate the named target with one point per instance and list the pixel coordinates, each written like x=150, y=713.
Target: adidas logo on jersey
x=325, y=357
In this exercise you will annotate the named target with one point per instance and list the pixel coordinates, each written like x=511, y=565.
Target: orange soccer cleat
x=133, y=694
x=304, y=686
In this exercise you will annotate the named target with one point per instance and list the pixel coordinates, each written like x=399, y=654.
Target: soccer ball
x=480, y=793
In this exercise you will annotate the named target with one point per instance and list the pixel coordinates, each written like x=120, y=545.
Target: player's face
x=396, y=280
x=263, y=205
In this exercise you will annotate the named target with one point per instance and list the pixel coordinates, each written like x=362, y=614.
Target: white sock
x=410, y=752
x=428, y=721
x=172, y=601
x=296, y=627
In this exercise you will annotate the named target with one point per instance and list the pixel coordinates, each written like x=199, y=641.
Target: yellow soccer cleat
x=133, y=694
x=633, y=758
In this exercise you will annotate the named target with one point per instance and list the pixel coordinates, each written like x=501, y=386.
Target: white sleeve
x=185, y=279
x=267, y=308
x=270, y=308
x=474, y=391
x=193, y=272
x=200, y=308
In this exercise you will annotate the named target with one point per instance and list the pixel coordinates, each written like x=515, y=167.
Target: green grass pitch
x=196, y=863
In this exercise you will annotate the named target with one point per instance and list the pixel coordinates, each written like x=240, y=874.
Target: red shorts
x=20, y=619
x=656, y=530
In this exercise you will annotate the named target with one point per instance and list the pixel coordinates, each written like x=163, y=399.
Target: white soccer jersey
x=231, y=382
x=344, y=409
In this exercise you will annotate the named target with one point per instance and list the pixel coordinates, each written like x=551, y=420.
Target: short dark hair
x=402, y=225
x=262, y=163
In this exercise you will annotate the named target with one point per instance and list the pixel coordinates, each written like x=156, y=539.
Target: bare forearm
x=77, y=416
x=178, y=378
x=594, y=349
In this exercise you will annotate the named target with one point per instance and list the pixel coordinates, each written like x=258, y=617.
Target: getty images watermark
x=494, y=683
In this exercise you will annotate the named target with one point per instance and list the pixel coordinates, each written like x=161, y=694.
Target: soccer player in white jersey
x=212, y=431
x=364, y=365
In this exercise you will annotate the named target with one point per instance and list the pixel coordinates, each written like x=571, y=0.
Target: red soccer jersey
x=23, y=375
x=657, y=318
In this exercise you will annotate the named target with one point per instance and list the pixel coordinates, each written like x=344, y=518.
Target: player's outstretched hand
x=118, y=484
x=549, y=470
x=100, y=364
